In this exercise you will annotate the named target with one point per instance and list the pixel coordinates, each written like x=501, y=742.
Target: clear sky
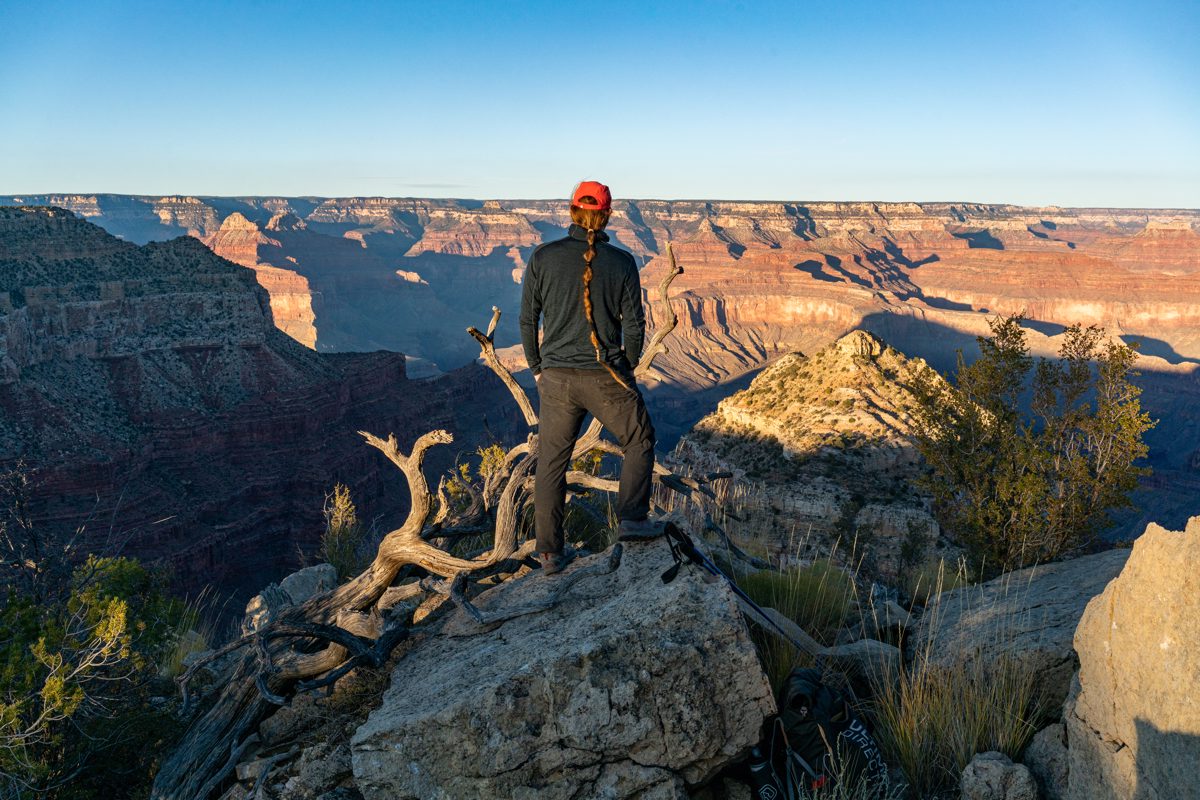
x=1072, y=103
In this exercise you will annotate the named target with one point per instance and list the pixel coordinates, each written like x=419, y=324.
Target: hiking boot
x=554, y=562
x=639, y=530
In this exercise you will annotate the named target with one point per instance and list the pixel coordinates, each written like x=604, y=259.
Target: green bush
x=83, y=645
x=77, y=671
x=1018, y=488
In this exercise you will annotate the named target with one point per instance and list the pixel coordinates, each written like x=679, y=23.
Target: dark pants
x=567, y=395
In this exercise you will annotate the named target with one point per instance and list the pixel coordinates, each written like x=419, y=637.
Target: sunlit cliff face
x=769, y=275
x=760, y=279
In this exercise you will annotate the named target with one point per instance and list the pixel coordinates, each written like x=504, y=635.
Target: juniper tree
x=1016, y=482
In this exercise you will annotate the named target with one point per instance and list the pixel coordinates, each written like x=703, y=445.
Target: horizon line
x=269, y=196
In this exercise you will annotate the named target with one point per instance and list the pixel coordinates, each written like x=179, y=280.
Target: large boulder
x=1133, y=717
x=628, y=687
x=1028, y=616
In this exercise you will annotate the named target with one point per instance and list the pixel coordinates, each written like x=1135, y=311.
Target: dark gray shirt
x=553, y=291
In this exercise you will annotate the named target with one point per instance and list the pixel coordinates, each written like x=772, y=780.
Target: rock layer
x=165, y=415
x=1133, y=717
x=628, y=688
x=761, y=280
x=1029, y=616
x=241, y=241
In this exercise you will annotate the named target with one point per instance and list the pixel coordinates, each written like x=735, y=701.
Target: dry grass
x=343, y=543
x=925, y=582
x=195, y=631
x=933, y=720
x=936, y=716
x=816, y=597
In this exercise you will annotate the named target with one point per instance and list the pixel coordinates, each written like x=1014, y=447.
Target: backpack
x=815, y=742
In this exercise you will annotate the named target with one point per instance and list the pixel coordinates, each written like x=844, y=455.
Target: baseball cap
x=593, y=189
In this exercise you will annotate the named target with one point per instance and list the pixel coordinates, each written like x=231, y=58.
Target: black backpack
x=814, y=743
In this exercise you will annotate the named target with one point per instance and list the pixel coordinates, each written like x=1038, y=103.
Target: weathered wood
x=487, y=351
x=669, y=320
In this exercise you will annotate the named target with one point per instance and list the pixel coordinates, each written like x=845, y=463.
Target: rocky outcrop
x=1028, y=616
x=1133, y=717
x=629, y=687
x=993, y=776
x=291, y=591
x=829, y=437
x=241, y=241
x=150, y=389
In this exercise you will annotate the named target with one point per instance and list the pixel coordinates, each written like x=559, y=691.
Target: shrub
x=491, y=458
x=344, y=540
x=1016, y=488
x=76, y=675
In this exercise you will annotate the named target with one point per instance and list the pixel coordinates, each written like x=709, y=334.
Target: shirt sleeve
x=531, y=311
x=633, y=317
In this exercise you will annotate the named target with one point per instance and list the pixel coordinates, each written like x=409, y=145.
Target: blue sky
x=1083, y=103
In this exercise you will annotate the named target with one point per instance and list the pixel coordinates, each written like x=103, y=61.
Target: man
x=589, y=296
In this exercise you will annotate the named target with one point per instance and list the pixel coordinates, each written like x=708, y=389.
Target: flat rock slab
x=1028, y=615
x=629, y=687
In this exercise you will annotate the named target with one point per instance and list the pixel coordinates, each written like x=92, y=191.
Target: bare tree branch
x=669, y=320
x=487, y=351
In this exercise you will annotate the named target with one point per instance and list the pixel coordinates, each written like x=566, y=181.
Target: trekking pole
x=682, y=547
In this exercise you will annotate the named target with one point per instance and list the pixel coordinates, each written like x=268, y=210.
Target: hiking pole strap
x=682, y=545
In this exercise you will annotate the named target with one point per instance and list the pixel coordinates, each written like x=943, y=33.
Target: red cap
x=593, y=189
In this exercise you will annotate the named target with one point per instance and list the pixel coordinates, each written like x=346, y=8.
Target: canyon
x=162, y=414
x=761, y=279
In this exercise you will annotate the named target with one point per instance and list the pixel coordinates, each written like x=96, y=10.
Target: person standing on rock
x=587, y=293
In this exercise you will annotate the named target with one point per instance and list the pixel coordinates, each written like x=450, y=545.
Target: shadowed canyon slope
x=167, y=416
x=761, y=279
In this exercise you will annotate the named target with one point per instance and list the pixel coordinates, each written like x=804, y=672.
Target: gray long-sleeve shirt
x=553, y=291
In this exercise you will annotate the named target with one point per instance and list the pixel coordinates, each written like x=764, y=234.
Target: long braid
x=588, y=255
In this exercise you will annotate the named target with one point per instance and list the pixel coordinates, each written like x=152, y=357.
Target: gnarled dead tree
x=313, y=645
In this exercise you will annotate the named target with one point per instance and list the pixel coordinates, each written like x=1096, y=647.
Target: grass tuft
x=816, y=597
x=937, y=715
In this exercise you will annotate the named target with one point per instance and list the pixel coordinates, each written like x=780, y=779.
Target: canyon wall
x=761, y=279
x=165, y=416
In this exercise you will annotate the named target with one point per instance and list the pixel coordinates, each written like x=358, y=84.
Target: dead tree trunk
x=314, y=644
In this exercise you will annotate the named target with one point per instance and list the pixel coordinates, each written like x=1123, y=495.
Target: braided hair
x=593, y=220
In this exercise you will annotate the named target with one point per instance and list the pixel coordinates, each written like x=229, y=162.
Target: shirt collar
x=579, y=232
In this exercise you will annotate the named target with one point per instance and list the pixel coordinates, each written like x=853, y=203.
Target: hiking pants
x=567, y=395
